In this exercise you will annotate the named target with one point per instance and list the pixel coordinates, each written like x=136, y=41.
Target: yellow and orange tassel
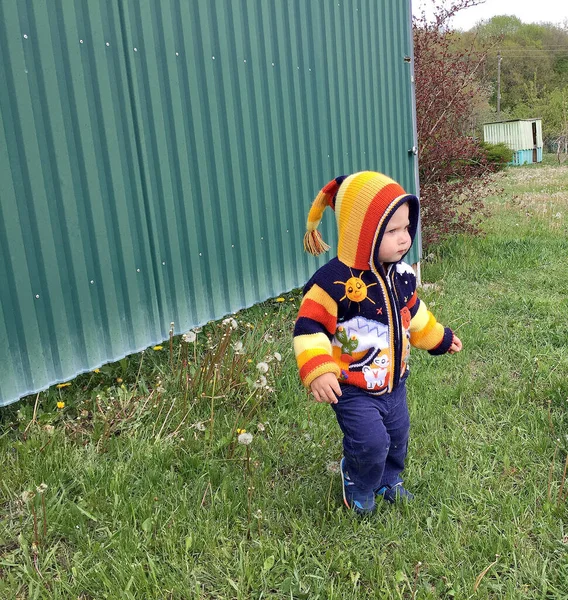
x=314, y=244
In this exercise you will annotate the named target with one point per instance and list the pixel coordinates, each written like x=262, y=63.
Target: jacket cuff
x=328, y=366
x=445, y=344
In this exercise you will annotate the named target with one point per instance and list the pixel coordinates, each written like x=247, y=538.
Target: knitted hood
x=363, y=203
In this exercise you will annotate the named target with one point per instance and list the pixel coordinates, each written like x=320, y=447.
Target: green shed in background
x=158, y=160
x=523, y=136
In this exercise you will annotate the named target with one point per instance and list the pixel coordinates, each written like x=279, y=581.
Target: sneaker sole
x=343, y=484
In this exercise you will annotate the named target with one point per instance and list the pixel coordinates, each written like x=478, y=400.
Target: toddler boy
x=359, y=316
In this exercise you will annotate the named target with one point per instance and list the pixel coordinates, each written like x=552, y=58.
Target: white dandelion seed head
x=262, y=367
x=230, y=322
x=278, y=356
x=199, y=426
x=189, y=337
x=261, y=427
x=238, y=347
x=27, y=496
x=41, y=488
x=245, y=438
x=261, y=382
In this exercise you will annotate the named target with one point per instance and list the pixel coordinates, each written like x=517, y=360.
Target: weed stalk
x=172, y=346
x=551, y=472
x=560, y=496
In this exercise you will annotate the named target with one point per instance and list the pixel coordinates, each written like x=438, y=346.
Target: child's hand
x=456, y=345
x=325, y=388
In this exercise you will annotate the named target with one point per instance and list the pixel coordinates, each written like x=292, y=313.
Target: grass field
x=150, y=495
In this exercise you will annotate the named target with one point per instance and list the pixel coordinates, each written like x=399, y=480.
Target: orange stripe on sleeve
x=316, y=366
x=315, y=311
x=412, y=301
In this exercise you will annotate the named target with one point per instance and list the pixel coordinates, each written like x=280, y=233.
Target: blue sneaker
x=362, y=503
x=395, y=493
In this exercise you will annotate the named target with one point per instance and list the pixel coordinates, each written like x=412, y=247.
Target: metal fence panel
x=158, y=159
x=518, y=135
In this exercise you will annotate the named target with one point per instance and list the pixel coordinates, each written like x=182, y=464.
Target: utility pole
x=499, y=85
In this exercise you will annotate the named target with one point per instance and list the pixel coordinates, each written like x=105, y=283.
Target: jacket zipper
x=394, y=327
x=393, y=298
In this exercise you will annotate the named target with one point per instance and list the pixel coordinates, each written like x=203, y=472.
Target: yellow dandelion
x=158, y=348
x=60, y=405
x=249, y=360
x=96, y=370
x=63, y=385
x=239, y=431
x=119, y=380
x=280, y=299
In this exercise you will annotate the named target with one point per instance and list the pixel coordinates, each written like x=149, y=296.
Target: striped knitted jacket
x=358, y=319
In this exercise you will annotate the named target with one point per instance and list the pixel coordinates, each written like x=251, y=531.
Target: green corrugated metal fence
x=158, y=159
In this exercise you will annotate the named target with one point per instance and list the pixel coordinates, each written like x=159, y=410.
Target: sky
x=528, y=11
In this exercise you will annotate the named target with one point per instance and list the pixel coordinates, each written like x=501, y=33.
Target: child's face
x=396, y=239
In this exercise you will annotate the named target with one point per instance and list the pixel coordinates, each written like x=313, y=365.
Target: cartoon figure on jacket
x=358, y=318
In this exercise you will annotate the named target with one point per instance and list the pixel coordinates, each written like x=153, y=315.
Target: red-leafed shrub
x=453, y=167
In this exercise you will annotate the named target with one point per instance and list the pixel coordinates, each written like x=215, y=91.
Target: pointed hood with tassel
x=363, y=204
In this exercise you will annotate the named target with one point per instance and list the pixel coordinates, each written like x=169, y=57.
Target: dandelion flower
x=238, y=347
x=119, y=380
x=189, y=337
x=262, y=367
x=245, y=439
x=278, y=356
x=332, y=467
x=49, y=429
x=158, y=348
x=232, y=323
x=280, y=299
x=261, y=382
x=239, y=431
x=96, y=370
x=27, y=496
x=60, y=404
x=41, y=488
x=261, y=427
x=63, y=385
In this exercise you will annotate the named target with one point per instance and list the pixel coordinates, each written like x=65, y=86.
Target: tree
x=534, y=67
x=452, y=166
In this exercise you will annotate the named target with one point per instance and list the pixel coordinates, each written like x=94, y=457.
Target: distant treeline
x=533, y=74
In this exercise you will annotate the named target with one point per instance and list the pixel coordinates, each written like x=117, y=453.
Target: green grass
x=149, y=495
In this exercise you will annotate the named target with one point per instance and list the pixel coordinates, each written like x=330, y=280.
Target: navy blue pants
x=375, y=435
